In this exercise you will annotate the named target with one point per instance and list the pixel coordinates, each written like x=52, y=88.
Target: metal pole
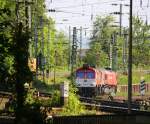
x=36, y=40
x=48, y=51
x=111, y=50
x=42, y=46
x=29, y=14
x=74, y=52
x=120, y=19
x=26, y=14
x=80, y=44
x=36, y=44
x=130, y=62
x=114, y=51
x=55, y=67
x=69, y=61
x=124, y=51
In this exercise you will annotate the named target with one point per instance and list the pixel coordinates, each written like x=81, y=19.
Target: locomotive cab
x=91, y=81
x=85, y=81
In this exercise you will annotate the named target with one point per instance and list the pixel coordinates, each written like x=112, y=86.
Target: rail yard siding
x=135, y=88
x=103, y=119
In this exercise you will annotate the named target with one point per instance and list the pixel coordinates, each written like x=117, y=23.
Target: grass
x=48, y=84
x=136, y=78
x=42, y=87
x=125, y=94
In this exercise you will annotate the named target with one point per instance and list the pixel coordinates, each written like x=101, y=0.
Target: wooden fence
x=135, y=88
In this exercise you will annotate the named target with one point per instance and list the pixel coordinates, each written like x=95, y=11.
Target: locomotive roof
x=88, y=68
x=94, y=69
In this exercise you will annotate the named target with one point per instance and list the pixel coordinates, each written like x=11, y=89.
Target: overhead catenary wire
x=88, y=4
x=76, y=13
x=79, y=12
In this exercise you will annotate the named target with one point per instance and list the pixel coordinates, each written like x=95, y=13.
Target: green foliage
x=61, y=45
x=74, y=106
x=102, y=32
x=14, y=54
x=55, y=101
x=141, y=51
x=95, y=56
x=29, y=97
x=122, y=79
x=43, y=86
x=6, y=45
x=100, y=41
x=8, y=62
x=53, y=45
x=99, y=53
x=50, y=42
x=136, y=78
x=147, y=77
x=7, y=4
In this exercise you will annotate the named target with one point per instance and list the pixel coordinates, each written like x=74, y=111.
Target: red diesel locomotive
x=93, y=82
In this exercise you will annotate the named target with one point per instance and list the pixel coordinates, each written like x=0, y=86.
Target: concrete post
x=64, y=93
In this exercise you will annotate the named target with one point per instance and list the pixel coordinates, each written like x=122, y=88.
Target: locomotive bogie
x=86, y=91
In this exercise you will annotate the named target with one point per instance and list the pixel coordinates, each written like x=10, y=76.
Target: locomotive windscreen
x=85, y=74
x=80, y=74
x=90, y=75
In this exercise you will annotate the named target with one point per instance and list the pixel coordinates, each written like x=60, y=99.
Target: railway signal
x=142, y=87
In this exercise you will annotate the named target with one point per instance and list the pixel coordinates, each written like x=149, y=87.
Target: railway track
x=42, y=94
x=112, y=106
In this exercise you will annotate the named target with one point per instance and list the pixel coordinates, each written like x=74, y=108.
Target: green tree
x=61, y=45
x=22, y=71
x=50, y=40
x=6, y=44
x=100, y=41
x=14, y=46
x=95, y=56
x=141, y=51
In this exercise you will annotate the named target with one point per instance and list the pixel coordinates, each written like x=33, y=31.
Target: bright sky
x=83, y=12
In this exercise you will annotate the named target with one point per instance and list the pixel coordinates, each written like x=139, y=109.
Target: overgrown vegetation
x=50, y=47
x=137, y=77
x=74, y=106
x=104, y=36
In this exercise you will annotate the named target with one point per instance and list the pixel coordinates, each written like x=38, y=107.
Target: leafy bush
x=74, y=106
x=29, y=97
x=55, y=101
